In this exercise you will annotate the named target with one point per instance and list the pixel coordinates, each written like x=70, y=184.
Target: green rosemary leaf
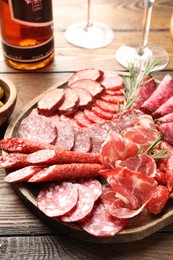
x=154, y=145
x=161, y=154
x=134, y=81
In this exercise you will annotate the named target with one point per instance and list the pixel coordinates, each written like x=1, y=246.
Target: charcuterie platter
x=139, y=225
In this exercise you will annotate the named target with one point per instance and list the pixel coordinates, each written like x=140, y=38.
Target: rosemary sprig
x=160, y=154
x=134, y=81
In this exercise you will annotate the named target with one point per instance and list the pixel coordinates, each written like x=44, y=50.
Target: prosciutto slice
x=142, y=163
x=139, y=188
x=116, y=148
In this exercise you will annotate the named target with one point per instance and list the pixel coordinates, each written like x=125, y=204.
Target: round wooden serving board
x=137, y=228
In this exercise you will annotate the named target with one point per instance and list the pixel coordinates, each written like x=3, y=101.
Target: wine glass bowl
x=142, y=54
x=89, y=34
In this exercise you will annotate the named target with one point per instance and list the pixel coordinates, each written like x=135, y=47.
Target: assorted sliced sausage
x=80, y=133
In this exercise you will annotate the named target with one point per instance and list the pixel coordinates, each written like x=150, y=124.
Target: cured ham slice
x=162, y=93
x=116, y=148
x=166, y=119
x=102, y=224
x=142, y=163
x=139, y=188
x=141, y=135
x=57, y=199
x=159, y=200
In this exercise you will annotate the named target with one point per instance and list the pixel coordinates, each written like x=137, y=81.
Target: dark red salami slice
x=166, y=119
x=101, y=113
x=91, y=116
x=71, y=102
x=57, y=199
x=85, y=98
x=51, y=101
x=166, y=131
x=98, y=133
x=23, y=174
x=90, y=73
x=37, y=128
x=108, y=107
x=65, y=137
x=14, y=160
x=83, y=141
x=162, y=93
x=164, y=109
x=111, y=80
x=94, y=186
x=83, y=207
x=101, y=224
x=81, y=119
x=59, y=172
x=145, y=92
x=93, y=87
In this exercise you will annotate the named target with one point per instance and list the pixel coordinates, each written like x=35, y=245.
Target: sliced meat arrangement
x=92, y=155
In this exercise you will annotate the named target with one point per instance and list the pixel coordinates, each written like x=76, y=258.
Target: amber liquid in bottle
x=27, y=33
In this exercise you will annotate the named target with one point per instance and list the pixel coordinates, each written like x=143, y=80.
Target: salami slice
x=101, y=113
x=111, y=80
x=165, y=109
x=166, y=131
x=162, y=93
x=51, y=101
x=14, y=161
x=37, y=128
x=112, y=92
x=113, y=99
x=23, y=174
x=83, y=207
x=65, y=137
x=101, y=224
x=19, y=145
x=57, y=199
x=91, y=116
x=93, y=87
x=71, y=102
x=81, y=119
x=108, y=107
x=85, y=98
x=48, y=156
x=145, y=91
x=90, y=73
x=94, y=186
x=60, y=172
x=166, y=119
x=83, y=141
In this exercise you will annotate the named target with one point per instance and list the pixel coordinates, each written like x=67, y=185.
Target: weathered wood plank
x=157, y=246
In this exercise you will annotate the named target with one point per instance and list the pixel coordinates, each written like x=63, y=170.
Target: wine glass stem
x=148, y=7
x=89, y=21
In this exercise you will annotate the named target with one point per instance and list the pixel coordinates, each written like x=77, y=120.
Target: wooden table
x=22, y=234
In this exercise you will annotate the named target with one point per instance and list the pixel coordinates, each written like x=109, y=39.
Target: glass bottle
x=27, y=33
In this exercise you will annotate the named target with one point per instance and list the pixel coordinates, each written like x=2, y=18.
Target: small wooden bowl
x=9, y=99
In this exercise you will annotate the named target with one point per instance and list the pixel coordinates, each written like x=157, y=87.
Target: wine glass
x=141, y=55
x=89, y=34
